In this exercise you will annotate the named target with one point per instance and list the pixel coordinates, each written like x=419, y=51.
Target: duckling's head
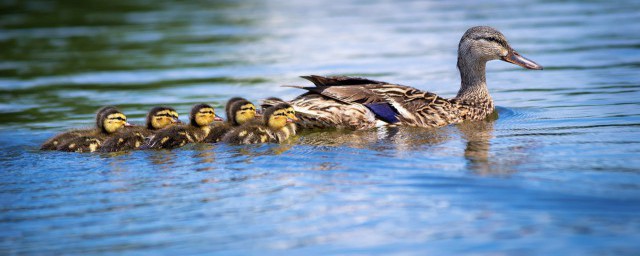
x=278, y=116
x=227, y=107
x=109, y=119
x=203, y=115
x=482, y=44
x=161, y=117
x=241, y=112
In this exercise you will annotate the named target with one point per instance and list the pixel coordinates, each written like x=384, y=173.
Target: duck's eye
x=118, y=118
x=165, y=115
x=206, y=112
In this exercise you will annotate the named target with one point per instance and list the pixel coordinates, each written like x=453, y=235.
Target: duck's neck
x=474, y=83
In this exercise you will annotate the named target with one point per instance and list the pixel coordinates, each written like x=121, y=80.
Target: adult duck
x=359, y=103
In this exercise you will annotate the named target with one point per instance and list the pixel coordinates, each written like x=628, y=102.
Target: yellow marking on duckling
x=120, y=140
x=242, y=133
x=263, y=138
x=165, y=139
x=55, y=142
x=72, y=145
x=137, y=144
x=93, y=147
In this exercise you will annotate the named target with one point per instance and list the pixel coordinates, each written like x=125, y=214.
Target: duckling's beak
x=289, y=120
x=176, y=121
x=217, y=118
x=258, y=114
x=515, y=58
x=126, y=124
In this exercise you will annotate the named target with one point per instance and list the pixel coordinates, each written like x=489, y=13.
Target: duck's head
x=241, y=111
x=482, y=44
x=161, y=117
x=278, y=116
x=109, y=119
x=227, y=107
x=203, y=115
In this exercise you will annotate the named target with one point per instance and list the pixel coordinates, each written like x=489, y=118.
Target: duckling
x=134, y=136
x=55, y=141
x=239, y=112
x=271, y=101
x=273, y=129
x=201, y=117
x=110, y=121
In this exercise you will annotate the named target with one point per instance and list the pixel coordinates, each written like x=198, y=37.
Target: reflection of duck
x=272, y=130
x=55, y=141
x=358, y=103
x=201, y=116
x=239, y=111
x=133, y=137
x=110, y=120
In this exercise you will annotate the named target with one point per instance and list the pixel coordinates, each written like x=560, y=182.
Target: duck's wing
x=124, y=141
x=55, y=141
x=169, y=138
x=339, y=80
x=217, y=132
x=81, y=144
x=418, y=108
x=391, y=103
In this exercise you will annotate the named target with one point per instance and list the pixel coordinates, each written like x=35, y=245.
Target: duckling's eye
x=118, y=118
x=165, y=115
x=206, y=112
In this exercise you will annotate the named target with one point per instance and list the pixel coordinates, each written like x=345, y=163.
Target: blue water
x=557, y=173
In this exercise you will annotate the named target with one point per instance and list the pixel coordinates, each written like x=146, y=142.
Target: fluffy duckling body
x=200, y=119
x=55, y=141
x=239, y=111
x=273, y=129
x=109, y=121
x=133, y=137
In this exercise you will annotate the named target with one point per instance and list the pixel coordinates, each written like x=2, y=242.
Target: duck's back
x=85, y=143
x=55, y=141
x=176, y=136
x=248, y=134
x=217, y=132
x=129, y=139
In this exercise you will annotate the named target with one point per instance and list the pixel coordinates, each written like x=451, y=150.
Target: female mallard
x=239, y=111
x=200, y=119
x=273, y=129
x=358, y=103
x=110, y=121
x=133, y=137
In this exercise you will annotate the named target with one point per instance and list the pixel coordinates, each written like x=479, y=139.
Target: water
x=557, y=173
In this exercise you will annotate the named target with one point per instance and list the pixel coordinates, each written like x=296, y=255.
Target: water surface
x=557, y=173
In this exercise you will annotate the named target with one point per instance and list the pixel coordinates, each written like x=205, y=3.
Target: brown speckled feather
x=343, y=106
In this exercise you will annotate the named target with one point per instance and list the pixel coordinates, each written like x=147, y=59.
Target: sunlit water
x=557, y=173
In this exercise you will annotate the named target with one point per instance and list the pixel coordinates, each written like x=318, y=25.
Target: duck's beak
x=515, y=58
x=289, y=120
x=126, y=124
x=292, y=119
x=217, y=118
x=176, y=121
x=258, y=115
